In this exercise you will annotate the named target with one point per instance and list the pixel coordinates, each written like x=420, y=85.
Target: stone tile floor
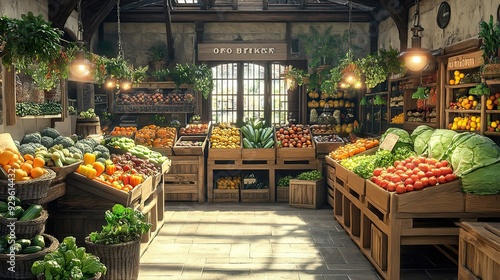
x=268, y=241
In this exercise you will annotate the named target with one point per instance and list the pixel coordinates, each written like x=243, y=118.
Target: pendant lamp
x=80, y=67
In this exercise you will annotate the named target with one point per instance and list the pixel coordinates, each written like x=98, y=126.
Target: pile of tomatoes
x=349, y=150
x=413, y=174
x=294, y=136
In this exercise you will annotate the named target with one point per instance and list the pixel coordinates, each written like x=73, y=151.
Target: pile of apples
x=413, y=174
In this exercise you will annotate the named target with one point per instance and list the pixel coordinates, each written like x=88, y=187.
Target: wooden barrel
x=86, y=127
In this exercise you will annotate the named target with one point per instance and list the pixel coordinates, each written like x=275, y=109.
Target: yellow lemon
x=452, y=82
x=471, y=97
x=456, y=73
x=462, y=75
x=493, y=124
x=478, y=119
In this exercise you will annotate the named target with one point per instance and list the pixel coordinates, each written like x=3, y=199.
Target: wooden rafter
x=399, y=15
x=168, y=26
x=60, y=10
x=93, y=18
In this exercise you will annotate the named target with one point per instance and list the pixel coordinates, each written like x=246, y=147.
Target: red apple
x=377, y=171
x=450, y=177
x=408, y=181
x=425, y=181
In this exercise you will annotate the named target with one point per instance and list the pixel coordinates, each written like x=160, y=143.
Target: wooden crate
x=479, y=251
x=226, y=195
x=378, y=248
x=285, y=154
x=356, y=184
x=186, y=179
x=377, y=197
x=225, y=154
x=340, y=172
x=327, y=147
x=283, y=194
x=307, y=194
x=257, y=195
x=258, y=154
x=482, y=203
x=190, y=151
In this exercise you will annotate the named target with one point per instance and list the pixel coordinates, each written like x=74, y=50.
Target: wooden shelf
x=430, y=85
x=489, y=133
x=377, y=93
x=165, y=85
x=493, y=82
x=461, y=85
x=40, y=117
x=493, y=111
x=462, y=111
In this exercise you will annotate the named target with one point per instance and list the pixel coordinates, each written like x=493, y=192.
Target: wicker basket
x=25, y=261
x=491, y=70
x=29, y=191
x=121, y=260
x=61, y=172
x=25, y=229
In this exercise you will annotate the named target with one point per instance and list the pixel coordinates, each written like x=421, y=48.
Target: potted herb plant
x=322, y=48
x=33, y=47
x=307, y=190
x=158, y=55
x=489, y=33
x=118, y=243
x=68, y=262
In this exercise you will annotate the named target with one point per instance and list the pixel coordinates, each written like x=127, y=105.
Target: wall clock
x=443, y=15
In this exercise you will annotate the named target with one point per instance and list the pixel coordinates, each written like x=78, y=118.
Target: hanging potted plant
x=157, y=56
x=489, y=33
x=322, y=48
x=33, y=47
x=346, y=69
x=377, y=67
x=118, y=243
x=296, y=77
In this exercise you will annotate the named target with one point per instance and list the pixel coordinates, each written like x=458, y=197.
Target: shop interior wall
x=463, y=25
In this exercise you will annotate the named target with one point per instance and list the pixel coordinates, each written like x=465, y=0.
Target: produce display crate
x=286, y=154
x=186, y=179
x=307, y=194
x=282, y=194
x=255, y=195
x=130, y=198
x=479, y=251
x=190, y=151
x=226, y=195
x=482, y=204
x=209, y=126
x=356, y=184
x=225, y=154
x=326, y=147
x=378, y=247
x=258, y=154
x=341, y=172
x=62, y=172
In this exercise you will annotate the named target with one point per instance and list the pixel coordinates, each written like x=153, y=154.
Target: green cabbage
x=483, y=180
x=439, y=142
x=470, y=151
x=404, y=138
x=420, y=137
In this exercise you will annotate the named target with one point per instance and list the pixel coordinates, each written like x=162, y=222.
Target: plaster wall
x=463, y=25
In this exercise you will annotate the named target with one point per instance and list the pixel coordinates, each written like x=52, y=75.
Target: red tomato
x=401, y=167
x=436, y=172
x=391, y=169
x=396, y=178
x=424, y=167
x=384, y=184
x=429, y=174
x=400, y=189
x=422, y=159
x=397, y=162
x=409, y=172
x=410, y=166
x=431, y=161
x=377, y=171
x=408, y=181
x=446, y=170
x=387, y=176
x=444, y=163
x=441, y=179
x=409, y=188
x=414, y=177
x=416, y=162
x=421, y=174
x=399, y=172
x=373, y=178
x=450, y=177
x=391, y=187
x=418, y=186
x=425, y=181
x=404, y=176
x=433, y=181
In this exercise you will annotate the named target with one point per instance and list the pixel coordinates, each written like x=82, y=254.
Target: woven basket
x=492, y=69
x=28, y=191
x=122, y=260
x=61, y=172
x=25, y=229
x=24, y=262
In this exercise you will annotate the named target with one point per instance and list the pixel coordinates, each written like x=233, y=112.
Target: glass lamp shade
x=416, y=59
x=126, y=85
x=80, y=67
x=110, y=83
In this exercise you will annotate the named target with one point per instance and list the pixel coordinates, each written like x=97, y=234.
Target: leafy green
x=421, y=93
x=403, y=153
x=439, y=142
x=483, y=181
x=420, y=137
x=284, y=181
x=403, y=140
x=480, y=89
x=469, y=151
x=124, y=224
x=312, y=175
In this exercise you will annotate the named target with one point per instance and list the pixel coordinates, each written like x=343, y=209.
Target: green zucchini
x=246, y=143
x=24, y=242
x=17, y=201
x=269, y=143
x=16, y=248
x=38, y=240
x=4, y=206
x=31, y=213
x=257, y=135
x=15, y=213
x=31, y=249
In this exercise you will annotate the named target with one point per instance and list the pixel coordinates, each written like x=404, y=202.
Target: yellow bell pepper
x=88, y=172
x=88, y=158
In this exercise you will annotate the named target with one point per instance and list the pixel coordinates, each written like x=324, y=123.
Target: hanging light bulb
x=110, y=83
x=80, y=67
x=125, y=85
x=416, y=58
x=349, y=78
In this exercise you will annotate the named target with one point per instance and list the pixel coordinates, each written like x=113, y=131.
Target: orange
x=36, y=172
x=5, y=157
x=26, y=167
x=15, y=165
x=19, y=174
x=38, y=162
x=28, y=157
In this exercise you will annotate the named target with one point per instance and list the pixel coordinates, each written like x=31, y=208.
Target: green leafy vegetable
x=439, y=142
x=483, y=181
x=404, y=137
x=284, y=181
x=480, y=89
x=421, y=93
x=420, y=137
x=312, y=175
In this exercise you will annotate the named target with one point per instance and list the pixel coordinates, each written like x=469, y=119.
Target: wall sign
x=464, y=61
x=443, y=15
x=241, y=51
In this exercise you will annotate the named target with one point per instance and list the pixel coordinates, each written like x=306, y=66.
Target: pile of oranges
x=126, y=131
x=24, y=168
x=349, y=150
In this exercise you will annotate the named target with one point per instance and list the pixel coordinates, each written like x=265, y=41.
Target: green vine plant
x=489, y=32
x=376, y=67
x=295, y=77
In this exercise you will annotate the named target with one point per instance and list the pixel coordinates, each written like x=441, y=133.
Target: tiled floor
x=267, y=241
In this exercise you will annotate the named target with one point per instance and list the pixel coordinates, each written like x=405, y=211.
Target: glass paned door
x=253, y=91
x=224, y=97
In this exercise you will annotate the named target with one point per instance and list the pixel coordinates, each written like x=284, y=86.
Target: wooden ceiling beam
x=399, y=15
x=60, y=10
x=93, y=18
x=168, y=26
x=244, y=16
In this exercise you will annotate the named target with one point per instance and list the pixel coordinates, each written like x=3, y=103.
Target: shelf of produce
x=412, y=125
x=186, y=179
x=377, y=93
x=397, y=92
x=461, y=85
x=40, y=117
x=153, y=109
x=165, y=85
x=460, y=111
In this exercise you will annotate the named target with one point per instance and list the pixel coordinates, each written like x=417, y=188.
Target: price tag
x=389, y=142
